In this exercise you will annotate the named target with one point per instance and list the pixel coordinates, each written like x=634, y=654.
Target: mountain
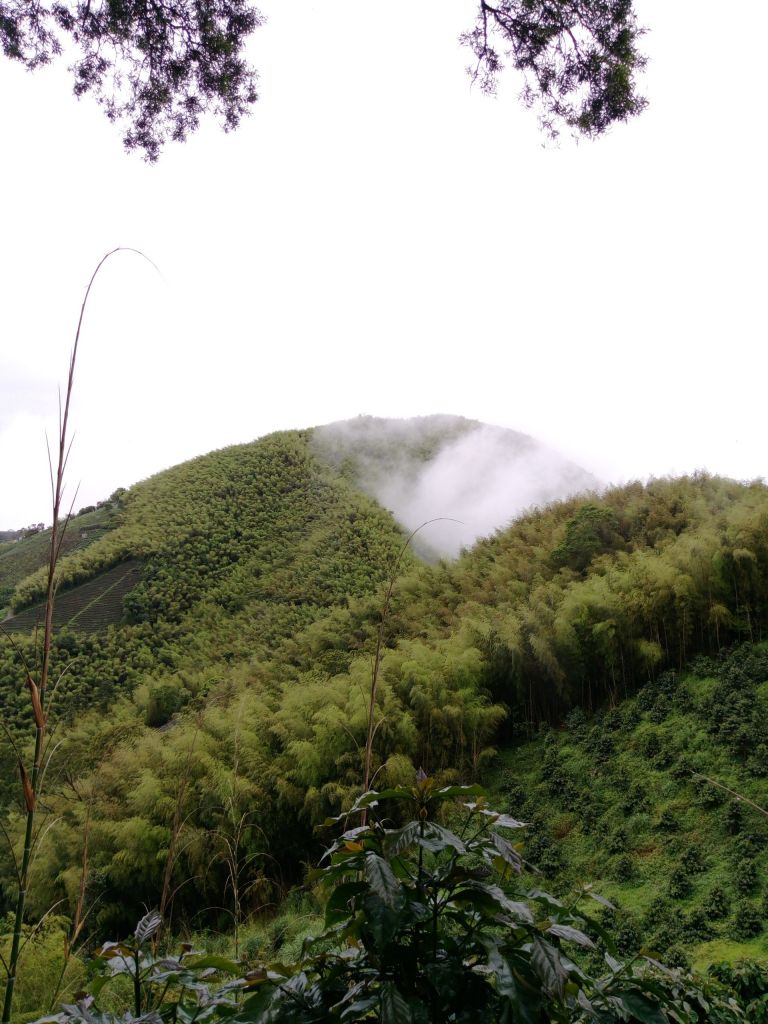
x=471, y=477
x=223, y=505
x=555, y=660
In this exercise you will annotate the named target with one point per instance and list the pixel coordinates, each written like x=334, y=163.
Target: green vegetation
x=160, y=73
x=423, y=925
x=212, y=715
x=624, y=799
x=22, y=557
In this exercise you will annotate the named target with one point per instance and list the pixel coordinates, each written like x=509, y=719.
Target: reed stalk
x=31, y=782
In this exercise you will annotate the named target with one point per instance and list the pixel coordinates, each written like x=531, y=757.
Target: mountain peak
x=472, y=476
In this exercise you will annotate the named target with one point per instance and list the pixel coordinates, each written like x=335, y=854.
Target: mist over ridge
x=428, y=467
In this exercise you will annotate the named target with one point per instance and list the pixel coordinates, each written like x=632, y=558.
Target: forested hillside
x=583, y=663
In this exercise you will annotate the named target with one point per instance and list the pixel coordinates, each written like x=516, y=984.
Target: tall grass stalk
x=31, y=781
x=373, y=725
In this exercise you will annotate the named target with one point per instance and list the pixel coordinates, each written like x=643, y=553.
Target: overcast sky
x=381, y=238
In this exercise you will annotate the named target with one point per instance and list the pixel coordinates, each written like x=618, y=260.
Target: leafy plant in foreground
x=176, y=986
x=422, y=924
x=426, y=924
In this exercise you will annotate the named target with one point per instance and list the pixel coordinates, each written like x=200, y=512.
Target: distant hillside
x=424, y=468
x=622, y=799
x=30, y=551
x=255, y=541
x=430, y=467
x=219, y=635
x=253, y=631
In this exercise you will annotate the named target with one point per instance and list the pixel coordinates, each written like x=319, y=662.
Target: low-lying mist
x=445, y=466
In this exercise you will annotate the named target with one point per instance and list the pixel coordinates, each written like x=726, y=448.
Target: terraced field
x=91, y=607
x=20, y=558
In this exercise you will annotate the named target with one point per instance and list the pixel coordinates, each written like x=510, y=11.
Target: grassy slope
x=21, y=558
x=239, y=550
x=614, y=800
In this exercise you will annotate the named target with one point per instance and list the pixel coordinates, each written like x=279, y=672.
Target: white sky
x=381, y=238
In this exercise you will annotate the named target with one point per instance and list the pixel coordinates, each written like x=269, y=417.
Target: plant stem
x=377, y=659
x=38, y=690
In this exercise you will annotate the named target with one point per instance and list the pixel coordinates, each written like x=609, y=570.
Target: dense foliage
x=29, y=550
x=579, y=59
x=202, y=738
x=625, y=798
x=423, y=925
x=159, y=68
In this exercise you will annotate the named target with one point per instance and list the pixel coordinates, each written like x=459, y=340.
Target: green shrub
x=617, y=841
x=747, y=921
x=706, y=794
x=623, y=868
x=680, y=885
x=745, y=877
x=412, y=934
x=668, y=821
x=734, y=817
x=676, y=956
x=717, y=904
x=692, y=861
x=697, y=926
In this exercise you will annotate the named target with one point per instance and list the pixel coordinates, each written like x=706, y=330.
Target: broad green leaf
x=459, y=791
x=549, y=967
x=382, y=881
x=565, y=931
x=337, y=906
x=599, y=899
x=353, y=833
x=642, y=1009
x=502, y=901
x=400, y=839
x=507, y=851
x=113, y=949
x=613, y=963
x=147, y=926
x=584, y=1003
x=446, y=837
x=502, y=820
x=359, y=1009
x=523, y=1000
x=394, y=1008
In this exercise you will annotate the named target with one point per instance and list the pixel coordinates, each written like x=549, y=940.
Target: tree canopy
x=156, y=66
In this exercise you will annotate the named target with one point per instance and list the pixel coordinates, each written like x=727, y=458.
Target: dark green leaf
x=507, y=851
x=548, y=965
x=382, y=881
x=398, y=841
x=642, y=1009
x=337, y=906
x=460, y=791
x=394, y=1008
x=565, y=931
